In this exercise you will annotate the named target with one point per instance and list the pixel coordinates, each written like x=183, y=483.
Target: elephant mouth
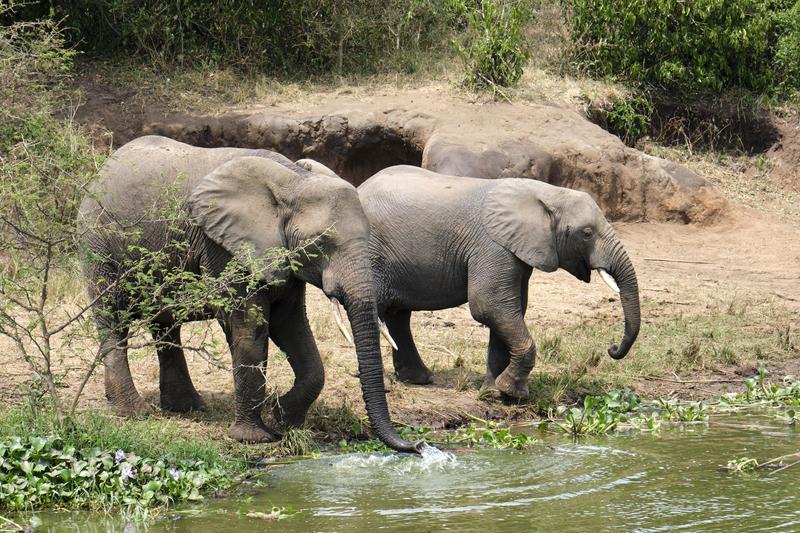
x=582, y=271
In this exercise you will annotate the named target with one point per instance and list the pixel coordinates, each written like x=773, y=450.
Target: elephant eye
x=588, y=232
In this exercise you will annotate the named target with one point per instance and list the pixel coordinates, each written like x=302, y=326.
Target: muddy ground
x=718, y=301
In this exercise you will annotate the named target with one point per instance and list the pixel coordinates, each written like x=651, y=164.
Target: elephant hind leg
x=291, y=333
x=407, y=362
x=120, y=391
x=175, y=384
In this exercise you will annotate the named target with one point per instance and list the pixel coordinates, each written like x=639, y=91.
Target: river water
x=632, y=481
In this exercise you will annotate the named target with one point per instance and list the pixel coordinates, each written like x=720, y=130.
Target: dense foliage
x=494, y=49
x=289, y=36
x=44, y=471
x=698, y=45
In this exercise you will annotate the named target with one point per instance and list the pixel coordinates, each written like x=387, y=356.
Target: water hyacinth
x=127, y=472
x=37, y=472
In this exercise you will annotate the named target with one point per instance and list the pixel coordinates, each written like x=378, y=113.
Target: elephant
x=439, y=241
x=233, y=199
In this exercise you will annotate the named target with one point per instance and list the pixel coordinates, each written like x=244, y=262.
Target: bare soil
x=745, y=265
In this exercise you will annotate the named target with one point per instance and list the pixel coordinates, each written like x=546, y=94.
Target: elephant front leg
x=176, y=388
x=497, y=360
x=513, y=381
x=407, y=362
x=247, y=338
x=120, y=391
x=498, y=288
x=290, y=331
x=498, y=355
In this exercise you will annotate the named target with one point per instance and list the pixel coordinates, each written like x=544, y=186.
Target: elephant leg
x=291, y=333
x=248, y=336
x=498, y=355
x=495, y=300
x=177, y=391
x=120, y=391
x=407, y=363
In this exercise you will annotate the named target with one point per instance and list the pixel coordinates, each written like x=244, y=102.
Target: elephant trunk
x=359, y=302
x=621, y=269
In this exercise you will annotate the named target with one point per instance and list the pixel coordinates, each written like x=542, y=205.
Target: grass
x=729, y=332
x=146, y=437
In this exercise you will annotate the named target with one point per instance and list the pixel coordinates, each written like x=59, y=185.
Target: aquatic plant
x=275, y=513
x=776, y=465
x=760, y=391
x=742, y=464
x=650, y=422
x=361, y=446
x=490, y=435
x=620, y=401
x=596, y=417
x=42, y=471
x=682, y=411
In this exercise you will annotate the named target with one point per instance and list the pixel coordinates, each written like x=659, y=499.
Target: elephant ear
x=516, y=217
x=236, y=207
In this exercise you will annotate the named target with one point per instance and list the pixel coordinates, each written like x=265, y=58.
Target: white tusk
x=337, y=314
x=385, y=333
x=609, y=279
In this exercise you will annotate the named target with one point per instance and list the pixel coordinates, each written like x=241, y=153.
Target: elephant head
x=551, y=227
x=318, y=168
x=256, y=205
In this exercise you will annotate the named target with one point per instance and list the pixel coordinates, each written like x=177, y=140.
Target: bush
x=281, y=36
x=698, y=45
x=495, y=49
x=787, y=50
x=629, y=118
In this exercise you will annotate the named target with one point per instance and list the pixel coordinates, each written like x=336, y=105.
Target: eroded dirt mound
x=784, y=156
x=449, y=135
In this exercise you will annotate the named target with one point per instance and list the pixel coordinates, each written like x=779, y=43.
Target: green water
x=632, y=481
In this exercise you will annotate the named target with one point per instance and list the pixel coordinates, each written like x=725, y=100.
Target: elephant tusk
x=385, y=333
x=337, y=314
x=609, y=279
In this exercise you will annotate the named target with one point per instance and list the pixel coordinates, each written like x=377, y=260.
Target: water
x=631, y=481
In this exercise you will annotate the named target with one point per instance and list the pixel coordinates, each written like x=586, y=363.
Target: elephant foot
x=182, y=402
x=288, y=416
x=489, y=389
x=251, y=431
x=512, y=386
x=416, y=376
x=132, y=407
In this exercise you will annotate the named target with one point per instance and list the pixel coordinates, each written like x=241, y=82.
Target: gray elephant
x=439, y=241
x=234, y=199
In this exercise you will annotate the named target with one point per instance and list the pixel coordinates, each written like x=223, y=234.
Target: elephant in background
x=234, y=199
x=439, y=241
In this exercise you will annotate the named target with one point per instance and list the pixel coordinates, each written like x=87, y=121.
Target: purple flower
x=119, y=456
x=127, y=473
x=174, y=473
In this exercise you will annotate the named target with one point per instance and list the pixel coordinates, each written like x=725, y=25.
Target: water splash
x=430, y=460
x=434, y=458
